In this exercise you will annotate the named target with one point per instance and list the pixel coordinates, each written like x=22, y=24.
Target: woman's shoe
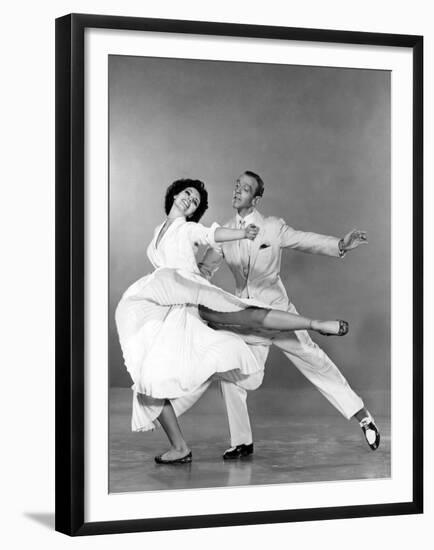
x=343, y=329
x=183, y=460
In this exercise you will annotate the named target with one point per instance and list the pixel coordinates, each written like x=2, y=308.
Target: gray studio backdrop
x=320, y=139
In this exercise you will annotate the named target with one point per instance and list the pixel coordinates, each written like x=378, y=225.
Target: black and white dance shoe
x=183, y=460
x=240, y=451
x=370, y=431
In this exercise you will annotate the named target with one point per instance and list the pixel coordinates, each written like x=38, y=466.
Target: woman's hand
x=225, y=234
x=251, y=231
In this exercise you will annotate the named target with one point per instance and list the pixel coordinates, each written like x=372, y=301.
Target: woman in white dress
x=168, y=348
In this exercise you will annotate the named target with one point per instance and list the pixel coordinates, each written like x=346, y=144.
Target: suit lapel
x=259, y=220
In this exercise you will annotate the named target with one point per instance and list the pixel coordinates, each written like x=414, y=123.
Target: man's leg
x=234, y=394
x=235, y=398
x=319, y=369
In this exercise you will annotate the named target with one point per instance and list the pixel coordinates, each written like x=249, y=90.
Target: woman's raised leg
x=273, y=319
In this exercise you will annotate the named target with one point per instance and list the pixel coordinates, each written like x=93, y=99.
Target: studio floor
x=298, y=437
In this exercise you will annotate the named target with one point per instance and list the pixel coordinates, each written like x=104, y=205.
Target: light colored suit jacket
x=263, y=280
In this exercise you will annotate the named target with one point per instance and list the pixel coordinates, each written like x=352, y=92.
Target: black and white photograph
x=249, y=322
x=215, y=240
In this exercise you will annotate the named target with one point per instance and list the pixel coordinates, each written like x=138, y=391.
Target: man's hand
x=251, y=231
x=353, y=239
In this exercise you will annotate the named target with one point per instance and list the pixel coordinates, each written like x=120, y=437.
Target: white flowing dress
x=168, y=349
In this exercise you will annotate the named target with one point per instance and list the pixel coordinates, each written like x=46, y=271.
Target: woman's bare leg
x=169, y=422
x=272, y=319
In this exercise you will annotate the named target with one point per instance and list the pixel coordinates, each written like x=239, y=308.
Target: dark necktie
x=244, y=251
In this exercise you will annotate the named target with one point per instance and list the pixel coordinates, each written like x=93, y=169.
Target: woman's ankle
x=181, y=448
x=314, y=325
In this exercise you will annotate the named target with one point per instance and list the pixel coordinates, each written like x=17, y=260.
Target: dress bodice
x=178, y=245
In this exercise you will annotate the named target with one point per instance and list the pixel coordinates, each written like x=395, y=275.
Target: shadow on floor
x=47, y=520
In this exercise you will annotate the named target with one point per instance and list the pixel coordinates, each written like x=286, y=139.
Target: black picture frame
x=70, y=266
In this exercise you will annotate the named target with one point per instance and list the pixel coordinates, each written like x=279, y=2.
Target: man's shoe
x=240, y=451
x=183, y=460
x=370, y=431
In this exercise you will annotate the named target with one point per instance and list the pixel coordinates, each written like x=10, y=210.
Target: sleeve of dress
x=200, y=234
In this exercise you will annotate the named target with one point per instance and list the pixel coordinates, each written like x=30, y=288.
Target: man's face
x=244, y=192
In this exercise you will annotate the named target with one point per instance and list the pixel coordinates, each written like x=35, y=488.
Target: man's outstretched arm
x=316, y=243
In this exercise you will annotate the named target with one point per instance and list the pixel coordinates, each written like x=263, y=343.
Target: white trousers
x=313, y=363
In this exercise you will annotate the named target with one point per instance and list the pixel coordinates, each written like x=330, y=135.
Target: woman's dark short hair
x=179, y=185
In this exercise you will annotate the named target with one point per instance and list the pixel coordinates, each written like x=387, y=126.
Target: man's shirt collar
x=250, y=218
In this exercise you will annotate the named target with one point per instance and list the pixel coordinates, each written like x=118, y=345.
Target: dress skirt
x=169, y=351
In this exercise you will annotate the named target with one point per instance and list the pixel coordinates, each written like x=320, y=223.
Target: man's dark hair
x=260, y=187
x=179, y=185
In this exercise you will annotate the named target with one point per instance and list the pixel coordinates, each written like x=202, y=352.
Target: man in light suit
x=255, y=266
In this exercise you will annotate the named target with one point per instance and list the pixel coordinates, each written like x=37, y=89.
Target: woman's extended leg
x=272, y=319
x=178, y=446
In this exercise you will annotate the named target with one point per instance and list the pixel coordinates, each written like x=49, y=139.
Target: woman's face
x=187, y=201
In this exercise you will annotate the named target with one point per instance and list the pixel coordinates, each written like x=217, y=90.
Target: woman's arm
x=224, y=234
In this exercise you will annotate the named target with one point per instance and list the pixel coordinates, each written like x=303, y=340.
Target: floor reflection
x=301, y=439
